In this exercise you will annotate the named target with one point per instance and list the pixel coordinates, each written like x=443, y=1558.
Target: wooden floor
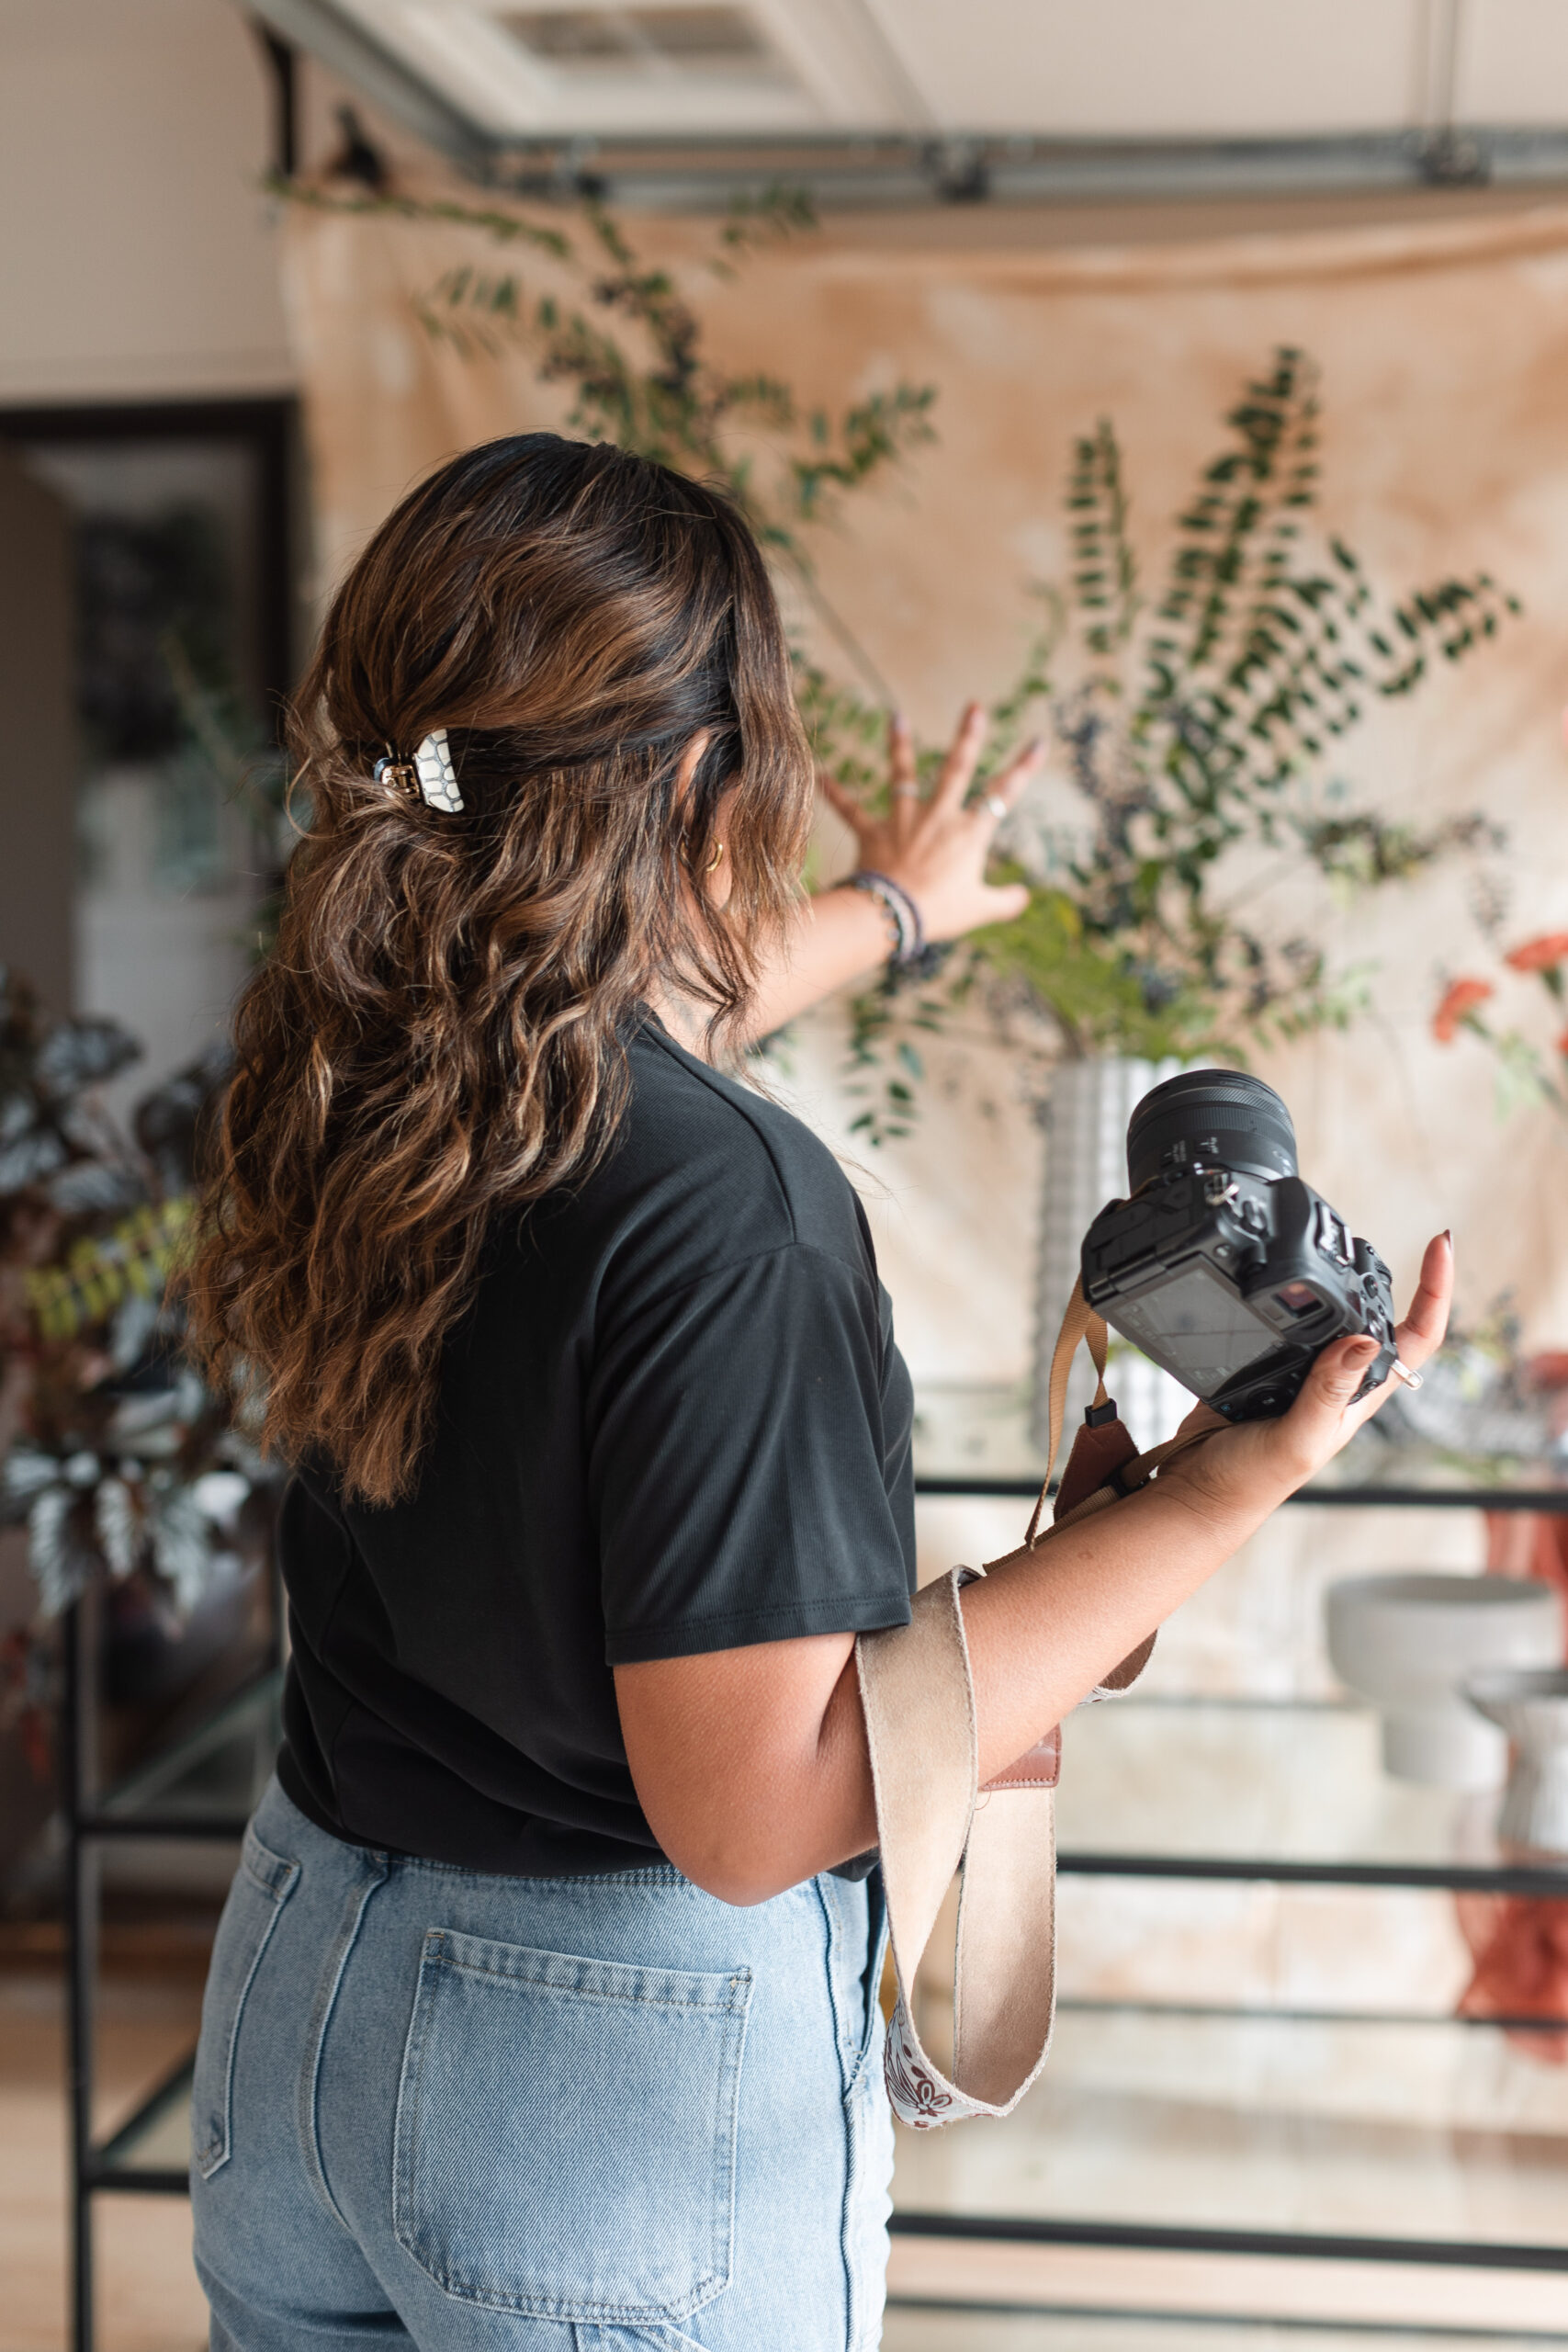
x=148, y=2298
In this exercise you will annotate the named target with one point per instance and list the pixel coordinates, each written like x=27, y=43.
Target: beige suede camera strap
x=934, y=1820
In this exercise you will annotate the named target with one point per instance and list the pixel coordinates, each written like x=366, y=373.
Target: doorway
x=184, y=630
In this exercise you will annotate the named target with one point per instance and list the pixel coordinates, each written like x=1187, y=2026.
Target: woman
x=543, y=2011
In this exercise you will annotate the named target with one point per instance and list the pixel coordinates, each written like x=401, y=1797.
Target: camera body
x=1224, y=1267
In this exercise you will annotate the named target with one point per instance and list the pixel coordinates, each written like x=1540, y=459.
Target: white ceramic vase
x=1085, y=1165
x=1532, y=1708
x=1407, y=1641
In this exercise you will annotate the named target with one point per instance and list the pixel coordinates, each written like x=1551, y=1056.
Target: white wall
x=137, y=260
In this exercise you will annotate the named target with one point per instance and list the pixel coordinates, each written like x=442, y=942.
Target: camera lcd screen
x=1196, y=1326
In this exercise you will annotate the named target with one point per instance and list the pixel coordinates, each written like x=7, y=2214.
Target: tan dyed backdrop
x=1445, y=356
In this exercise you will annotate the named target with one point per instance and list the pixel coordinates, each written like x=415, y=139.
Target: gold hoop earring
x=716, y=859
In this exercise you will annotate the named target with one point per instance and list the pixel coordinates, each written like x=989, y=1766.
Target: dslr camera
x=1224, y=1267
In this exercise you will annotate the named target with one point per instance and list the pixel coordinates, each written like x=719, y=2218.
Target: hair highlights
x=439, y=1035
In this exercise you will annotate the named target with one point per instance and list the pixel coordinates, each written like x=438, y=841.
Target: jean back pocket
x=566, y=2130
x=263, y=1884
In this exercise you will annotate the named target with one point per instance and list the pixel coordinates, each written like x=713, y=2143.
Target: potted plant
x=118, y=1462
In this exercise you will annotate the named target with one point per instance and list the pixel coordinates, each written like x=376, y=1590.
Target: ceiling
x=1455, y=88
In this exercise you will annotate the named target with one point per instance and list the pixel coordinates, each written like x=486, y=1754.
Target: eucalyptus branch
x=506, y=227
x=667, y=400
x=1190, y=732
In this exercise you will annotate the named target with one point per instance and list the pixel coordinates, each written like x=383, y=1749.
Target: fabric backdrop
x=1444, y=354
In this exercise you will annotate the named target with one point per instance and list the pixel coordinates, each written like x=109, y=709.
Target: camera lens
x=1211, y=1118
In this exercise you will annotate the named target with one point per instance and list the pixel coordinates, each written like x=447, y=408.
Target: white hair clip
x=430, y=773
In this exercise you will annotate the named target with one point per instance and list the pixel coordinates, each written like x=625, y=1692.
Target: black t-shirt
x=673, y=1420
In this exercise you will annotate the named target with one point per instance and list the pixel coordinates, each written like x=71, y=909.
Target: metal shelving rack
x=203, y=1788
x=1494, y=1873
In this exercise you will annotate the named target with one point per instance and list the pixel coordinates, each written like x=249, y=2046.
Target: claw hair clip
x=430, y=773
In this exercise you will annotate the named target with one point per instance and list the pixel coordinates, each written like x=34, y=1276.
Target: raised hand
x=936, y=847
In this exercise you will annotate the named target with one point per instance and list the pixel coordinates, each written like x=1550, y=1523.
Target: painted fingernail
x=1448, y=1235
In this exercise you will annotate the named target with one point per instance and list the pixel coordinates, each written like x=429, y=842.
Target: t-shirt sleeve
x=736, y=1456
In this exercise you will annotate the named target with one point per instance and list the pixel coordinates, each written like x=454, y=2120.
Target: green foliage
x=1196, y=721
x=1094, y=985
x=506, y=227
x=593, y=316
x=101, y=1272
x=111, y=1440
x=1362, y=849
x=870, y=436
x=1196, y=716
x=884, y=1065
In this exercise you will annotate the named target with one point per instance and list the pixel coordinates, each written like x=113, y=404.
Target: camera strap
x=1080, y=1322
x=934, y=1818
x=1106, y=1447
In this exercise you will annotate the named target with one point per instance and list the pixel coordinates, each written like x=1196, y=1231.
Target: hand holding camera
x=1225, y=1268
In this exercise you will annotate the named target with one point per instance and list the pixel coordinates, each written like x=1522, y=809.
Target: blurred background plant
x=1528, y=1069
x=628, y=344
x=1487, y=1407
x=1194, y=722
x=1194, y=728
x=116, y=1457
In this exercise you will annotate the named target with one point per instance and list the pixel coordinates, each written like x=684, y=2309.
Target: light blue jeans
x=549, y=2115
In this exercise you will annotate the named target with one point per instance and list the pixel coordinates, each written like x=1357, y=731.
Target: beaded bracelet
x=906, y=931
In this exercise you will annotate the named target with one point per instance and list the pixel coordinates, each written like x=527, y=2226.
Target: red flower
x=1542, y=955
x=1459, y=998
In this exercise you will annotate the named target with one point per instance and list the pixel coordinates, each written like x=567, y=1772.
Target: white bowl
x=1530, y=1706
x=1407, y=1641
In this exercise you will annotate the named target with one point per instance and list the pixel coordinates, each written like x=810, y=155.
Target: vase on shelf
x=1087, y=1113
x=1530, y=1705
x=1413, y=1642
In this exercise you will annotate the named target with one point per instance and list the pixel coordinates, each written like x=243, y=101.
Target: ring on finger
x=995, y=806
x=906, y=792
x=1399, y=1371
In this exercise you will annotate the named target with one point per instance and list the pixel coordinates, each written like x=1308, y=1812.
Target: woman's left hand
x=1272, y=1458
x=937, y=848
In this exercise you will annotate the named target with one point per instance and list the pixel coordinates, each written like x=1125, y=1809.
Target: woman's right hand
x=937, y=845
x=1252, y=1464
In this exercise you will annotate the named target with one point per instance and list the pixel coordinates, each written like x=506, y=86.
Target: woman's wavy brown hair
x=439, y=1035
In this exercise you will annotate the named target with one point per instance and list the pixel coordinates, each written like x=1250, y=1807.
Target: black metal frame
x=1287, y=2323
x=912, y=165
x=1319, y=2246
x=269, y=425
x=87, y=1822
x=1000, y=2229
x=1012, y=1485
